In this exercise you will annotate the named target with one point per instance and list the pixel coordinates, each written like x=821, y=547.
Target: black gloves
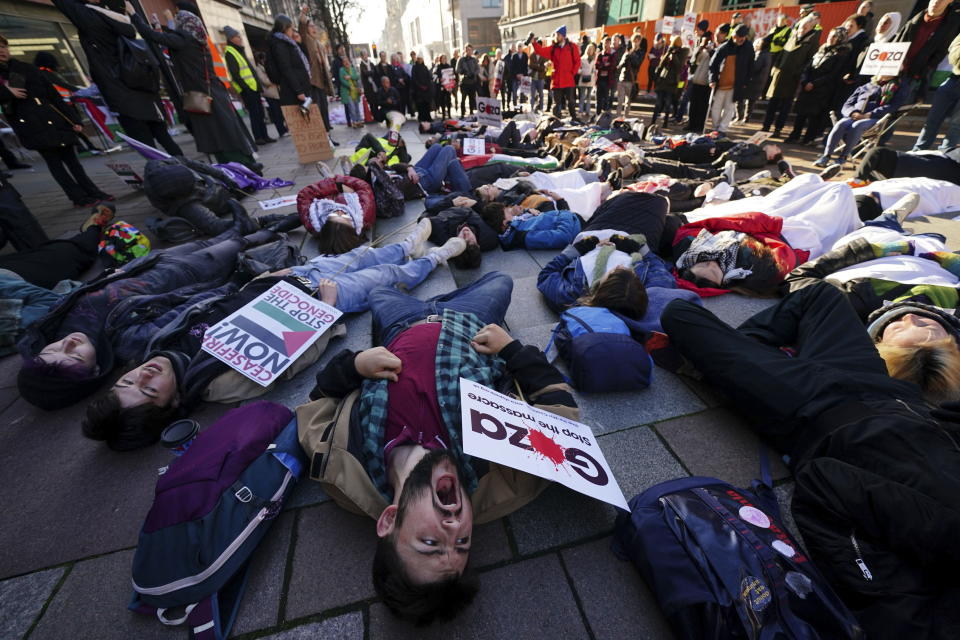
x=625, y=244
x=586, y=245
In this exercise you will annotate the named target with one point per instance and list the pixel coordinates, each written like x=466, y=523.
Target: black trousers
x=320, y=98
x=276, y=115
x=778, y=109
x=680, y=170
x=54, y=261
x=643, y=213
x=699, y=105
x=468, y=94
x=882, y=163
x=254, y=107
x=836, y=360
x=66, y=169
x=150, y=132
x=565, y=97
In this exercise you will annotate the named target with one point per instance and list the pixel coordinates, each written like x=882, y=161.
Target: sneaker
x=831, y=171
x=101, y=216
x=822, y=162
x=904, y=206
x=786, y=169
x=324, y=170
x=760, y=175
x=414, y=243
x=616, y=179
x=450, y=249
x=729, y=171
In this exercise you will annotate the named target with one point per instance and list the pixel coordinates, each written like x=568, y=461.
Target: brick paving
x=72, y=508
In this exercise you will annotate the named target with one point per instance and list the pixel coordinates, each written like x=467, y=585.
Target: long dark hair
x=281, y=23
x=336, y=238
x=620, y=290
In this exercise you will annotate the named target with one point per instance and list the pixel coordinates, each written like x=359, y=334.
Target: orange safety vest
x=63, y=91
x=219, y=66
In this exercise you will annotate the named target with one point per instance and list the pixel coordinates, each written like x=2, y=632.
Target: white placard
x=474, y=147
x=526, y=86
x=276, y=203
x=689, y=22
x=667, y=25
x=488, y=112
x=448, y=79
x=510, y=432
x=884, y=59
x=265, y=336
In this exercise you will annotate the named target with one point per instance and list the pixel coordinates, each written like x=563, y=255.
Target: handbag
x=198, y=101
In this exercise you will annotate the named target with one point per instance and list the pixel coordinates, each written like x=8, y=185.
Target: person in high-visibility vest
x=244, y=82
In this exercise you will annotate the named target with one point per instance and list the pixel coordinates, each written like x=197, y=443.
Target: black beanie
x=50, y=392
x=867, y=207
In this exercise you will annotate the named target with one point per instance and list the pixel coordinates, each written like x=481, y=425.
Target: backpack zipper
x=859, y=559
x=190, y=581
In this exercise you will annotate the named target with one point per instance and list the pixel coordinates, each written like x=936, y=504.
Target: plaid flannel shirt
x=455, y=359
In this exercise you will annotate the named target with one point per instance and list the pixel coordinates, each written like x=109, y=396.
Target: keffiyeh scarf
x=721, y=247
x=321, y=208
x=191, y=24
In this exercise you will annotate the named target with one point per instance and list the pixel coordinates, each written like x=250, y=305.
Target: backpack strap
x=161, y=615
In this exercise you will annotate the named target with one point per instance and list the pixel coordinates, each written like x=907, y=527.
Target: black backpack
x=387, y=195
x=139, y=69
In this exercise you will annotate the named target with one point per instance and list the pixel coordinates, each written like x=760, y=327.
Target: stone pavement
x=73, y=508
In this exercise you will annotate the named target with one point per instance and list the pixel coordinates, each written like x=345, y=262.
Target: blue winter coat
x=866, y=99
x=549, y=230
x=563, y=280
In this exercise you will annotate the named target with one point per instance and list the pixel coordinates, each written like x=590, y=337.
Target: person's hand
x=168, y=15
x=625, y=244
x=18, y=92
x=463, y=201
x=713, y=85
x=413, y=175
x=301, y=97
x=128, y=8
x=327, y=289
x=304, y=10
x=523, y=173
x=378, y=364
x=280, y=273
x=78, y=128
x=808, y=86
x=491, y=340
x=586, y=245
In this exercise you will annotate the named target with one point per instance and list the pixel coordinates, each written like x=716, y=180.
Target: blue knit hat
x=562, y=30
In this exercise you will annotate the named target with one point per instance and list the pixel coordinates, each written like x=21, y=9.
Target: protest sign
x=474, y=147
x=884, y=59
x=488, y=112
x=264, y=337
x=276, y=203
x=667, y=25
x=510, y=432
x=759, y=137
x=526, y=85
x=689, y=22
x=448, y=79
x=308, y=133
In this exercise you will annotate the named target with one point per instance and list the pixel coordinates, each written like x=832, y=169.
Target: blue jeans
x=848, y=130
x=360, y=271
x=889, y=221
x=536, y=95
x=352, y=112
x=942, y=107
x=440, y=163
x=394, y=311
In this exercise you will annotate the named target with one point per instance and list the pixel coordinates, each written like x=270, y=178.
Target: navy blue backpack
x=213, y=506
x=721, y=564
x=601, y=351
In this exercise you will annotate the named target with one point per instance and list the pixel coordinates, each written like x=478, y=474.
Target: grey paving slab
x=91, y=500
x=733, y=308
x=666, y=397
x=616, y=601
x=331, y=560
x=489, y=545
x=527, y=307
x=261, y=603
x=528, y=600
x=538, y=336
x=517, y=264
x=560, y=516
x=708, y=394
x=22, y=598
x=439, y=282
x=92, y=603
x=543, y=256
x=349, y=626
x=307, y=492
x=719, y=444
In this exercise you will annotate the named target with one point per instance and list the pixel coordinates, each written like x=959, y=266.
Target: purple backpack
x=212, y=507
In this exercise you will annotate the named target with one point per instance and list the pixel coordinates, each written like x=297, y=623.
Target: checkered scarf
x=455, y=359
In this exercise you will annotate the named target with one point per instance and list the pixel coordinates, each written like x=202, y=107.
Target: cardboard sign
x=448, y=79
x=510, y=432
x=759, y=137
x=264, y=337
x=884, y=59
x=308, y=133
x=526, y=86
x=276, y=203
x=488, y=112
x=474, y=147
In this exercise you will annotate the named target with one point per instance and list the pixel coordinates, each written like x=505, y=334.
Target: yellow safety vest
x=361, y=156
x=246, y=74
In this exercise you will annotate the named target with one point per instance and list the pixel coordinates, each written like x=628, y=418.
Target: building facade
x=543, y=17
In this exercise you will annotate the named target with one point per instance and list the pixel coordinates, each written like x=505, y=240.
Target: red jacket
x=566, y=63
x=328, y=189
x=759, y=226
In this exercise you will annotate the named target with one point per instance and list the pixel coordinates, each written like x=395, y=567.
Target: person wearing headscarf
x=287, y=64
x=818, y=83
x=887, y=27
x=220, y=132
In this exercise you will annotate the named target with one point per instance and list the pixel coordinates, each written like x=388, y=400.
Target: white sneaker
x=904, y=206
x=324, y=170
x=450, y=249
x=760, y=175
x=729, y=170
x=415, y=243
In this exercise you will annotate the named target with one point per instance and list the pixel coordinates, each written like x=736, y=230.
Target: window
x=742, y=4
x=491, y=4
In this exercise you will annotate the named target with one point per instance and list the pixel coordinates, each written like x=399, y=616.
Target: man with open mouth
x=383, y=435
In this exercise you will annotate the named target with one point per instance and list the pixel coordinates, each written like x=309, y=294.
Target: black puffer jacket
x=743, y=55
x=825, y=72
x=42, y=120
x=445, y=224
x=285, y=67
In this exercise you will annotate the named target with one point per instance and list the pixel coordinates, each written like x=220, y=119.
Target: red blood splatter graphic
x=546, y=447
